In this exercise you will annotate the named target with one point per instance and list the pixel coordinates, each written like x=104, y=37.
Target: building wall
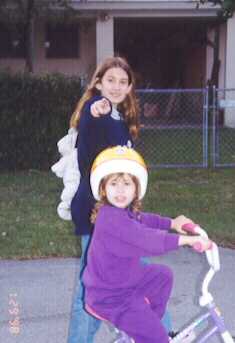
x=222, y=55
x=91, y=52
x=230, y=53
x=83, y=65
x=229, y=115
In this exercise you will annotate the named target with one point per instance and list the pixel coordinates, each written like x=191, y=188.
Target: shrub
x=35, y=113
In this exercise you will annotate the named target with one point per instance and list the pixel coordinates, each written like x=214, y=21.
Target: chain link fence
x=174, y=127
x=223, y=137
x=180, y=128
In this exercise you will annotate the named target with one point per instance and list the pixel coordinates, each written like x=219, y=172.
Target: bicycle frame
x=189, y=334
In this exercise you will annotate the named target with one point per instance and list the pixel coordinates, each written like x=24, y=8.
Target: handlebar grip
x=190, y=227
x=198, y=247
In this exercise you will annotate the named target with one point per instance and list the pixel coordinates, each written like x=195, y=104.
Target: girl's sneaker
x=189, y=338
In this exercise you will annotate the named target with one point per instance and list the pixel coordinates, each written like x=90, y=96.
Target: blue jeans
x=82, y=326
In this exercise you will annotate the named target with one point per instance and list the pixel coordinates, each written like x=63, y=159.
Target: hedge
x=34, y=115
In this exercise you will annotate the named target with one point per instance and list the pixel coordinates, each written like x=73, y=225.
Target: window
x=12, y=41
x=62, y=41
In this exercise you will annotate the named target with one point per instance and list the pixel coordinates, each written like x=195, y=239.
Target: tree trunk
x=29, y=37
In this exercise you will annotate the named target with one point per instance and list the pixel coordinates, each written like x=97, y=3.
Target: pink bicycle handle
x=198, y=247
x=190, y=227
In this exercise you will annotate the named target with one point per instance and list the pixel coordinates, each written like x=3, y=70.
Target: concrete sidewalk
x=39, y=292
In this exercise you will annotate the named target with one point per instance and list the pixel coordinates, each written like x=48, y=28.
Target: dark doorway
x=164, y=53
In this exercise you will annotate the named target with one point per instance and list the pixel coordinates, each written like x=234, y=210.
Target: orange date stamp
x=14, y=313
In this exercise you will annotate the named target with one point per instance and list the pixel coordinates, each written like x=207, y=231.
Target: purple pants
x=141, y=311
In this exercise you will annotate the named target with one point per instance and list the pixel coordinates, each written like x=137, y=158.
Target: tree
x=227, y=7
x=13, y=12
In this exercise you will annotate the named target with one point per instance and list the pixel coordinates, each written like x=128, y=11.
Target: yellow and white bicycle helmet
x=119, y=159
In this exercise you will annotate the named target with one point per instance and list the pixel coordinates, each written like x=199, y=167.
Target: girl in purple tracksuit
x=118, y=287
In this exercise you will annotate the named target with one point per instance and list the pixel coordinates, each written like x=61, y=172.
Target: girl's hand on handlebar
x=198, y=243
x=179, y=222
x=100, y=107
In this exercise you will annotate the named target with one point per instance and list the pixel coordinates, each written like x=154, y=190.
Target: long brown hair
x=129, y=107
x=135, y=205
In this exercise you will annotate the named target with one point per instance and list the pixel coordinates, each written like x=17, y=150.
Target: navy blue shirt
x=94, y=135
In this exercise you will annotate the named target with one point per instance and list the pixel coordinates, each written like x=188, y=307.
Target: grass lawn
x=225, y=145
x=30, y=227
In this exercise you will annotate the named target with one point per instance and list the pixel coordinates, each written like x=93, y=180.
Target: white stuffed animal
x=67, y=168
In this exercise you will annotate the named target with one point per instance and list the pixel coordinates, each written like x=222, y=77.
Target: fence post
x=205, y=127
x=214, y=110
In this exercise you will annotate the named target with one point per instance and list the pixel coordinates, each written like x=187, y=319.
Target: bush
x=35, y=113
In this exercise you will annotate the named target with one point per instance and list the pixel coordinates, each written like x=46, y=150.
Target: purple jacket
x=119, y=240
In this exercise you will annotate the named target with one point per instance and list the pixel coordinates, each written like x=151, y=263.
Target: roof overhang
x=138, y=8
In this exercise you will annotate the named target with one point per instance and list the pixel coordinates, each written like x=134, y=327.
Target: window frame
x=69, y=48
x=12, y=41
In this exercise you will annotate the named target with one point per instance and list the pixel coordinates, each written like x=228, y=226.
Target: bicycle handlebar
x=212, y=253
x=196, y=230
